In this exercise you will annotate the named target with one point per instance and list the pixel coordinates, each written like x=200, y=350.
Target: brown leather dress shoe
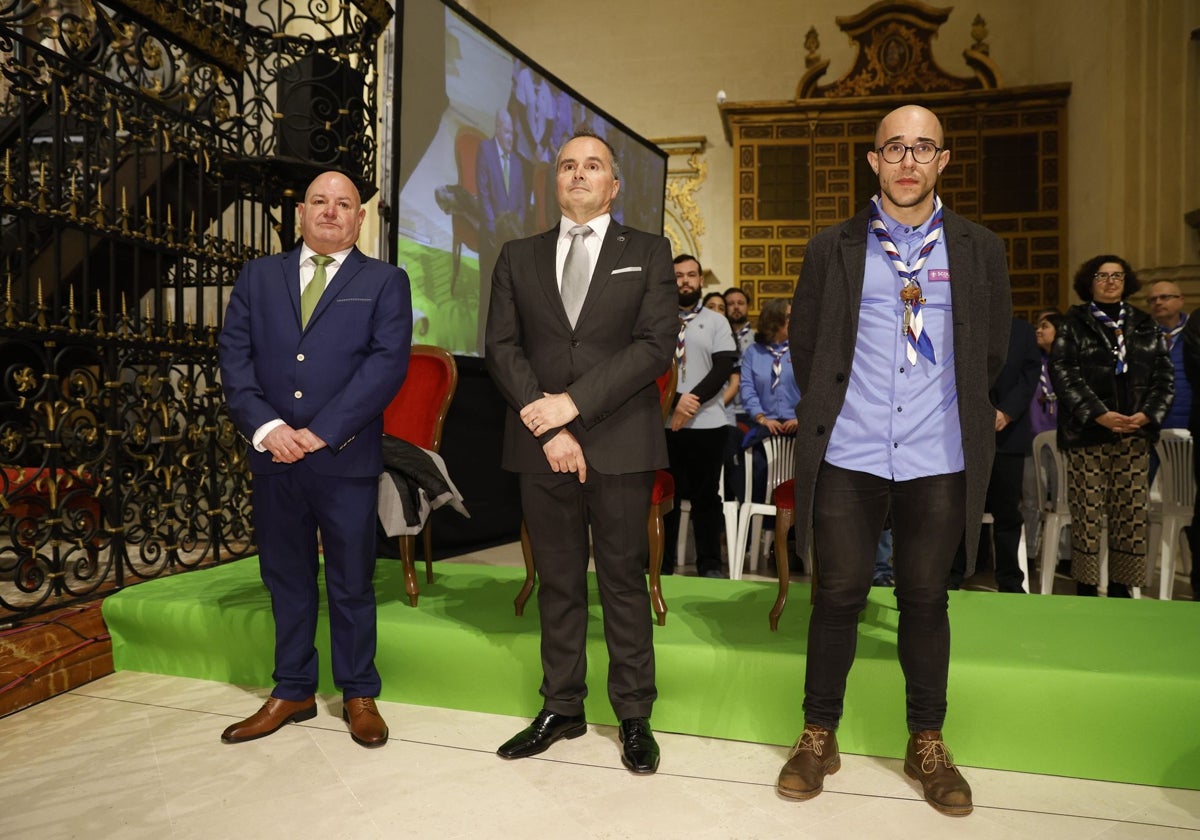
x=929, y=762
x=367, y=727
x=814, y=757
x=270, y=718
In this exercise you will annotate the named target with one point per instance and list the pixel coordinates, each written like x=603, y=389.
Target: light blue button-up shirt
x=755, y=388
x=900, y=420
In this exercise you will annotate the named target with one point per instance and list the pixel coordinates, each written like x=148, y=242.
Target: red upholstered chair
x=416, y=414
x=464, y=230
x=661, y=500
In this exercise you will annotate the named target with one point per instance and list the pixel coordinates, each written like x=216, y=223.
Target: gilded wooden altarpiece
x=800, y=165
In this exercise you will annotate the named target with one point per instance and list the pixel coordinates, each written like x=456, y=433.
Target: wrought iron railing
x=148, y=148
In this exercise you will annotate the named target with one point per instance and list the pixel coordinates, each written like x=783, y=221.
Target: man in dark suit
x=314, y=345
x=582, y=322
x=503, y=198
x=899, y=326
x=1012, y=395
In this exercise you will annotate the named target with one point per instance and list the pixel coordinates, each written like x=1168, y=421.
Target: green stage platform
x=1086, y=687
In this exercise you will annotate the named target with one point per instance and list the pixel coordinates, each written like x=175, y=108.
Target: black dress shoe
x=546, y=728
x=639, y=750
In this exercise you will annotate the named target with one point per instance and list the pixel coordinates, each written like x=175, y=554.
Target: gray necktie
x=575, y=274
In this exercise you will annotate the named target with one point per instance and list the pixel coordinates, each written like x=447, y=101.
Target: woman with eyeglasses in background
x=1114, y=381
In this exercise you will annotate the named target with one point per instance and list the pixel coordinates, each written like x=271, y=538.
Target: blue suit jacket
x=495, y=197
x=334, y=377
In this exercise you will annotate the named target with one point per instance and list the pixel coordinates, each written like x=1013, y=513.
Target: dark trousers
x=696, y=456
x=558, y=511
x=289, y=508
x=1004, y=504
x=849, y=510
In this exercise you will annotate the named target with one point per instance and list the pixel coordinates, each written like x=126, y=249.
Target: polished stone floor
x=136, y=755
x=139, y=756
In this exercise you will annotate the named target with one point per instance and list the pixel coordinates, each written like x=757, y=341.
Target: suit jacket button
x=299, y=357
x=574, y=342
x=841, y=377
x=820, y=430
x=298, y=394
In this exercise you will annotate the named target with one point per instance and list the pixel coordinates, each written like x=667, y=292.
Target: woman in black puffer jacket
x=1114, y=381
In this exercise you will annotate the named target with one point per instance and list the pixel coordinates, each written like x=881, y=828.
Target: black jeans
x=927, y=517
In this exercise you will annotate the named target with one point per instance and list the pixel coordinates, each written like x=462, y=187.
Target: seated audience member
x=1043, y=417
x=1114, y=381
x=768, y=388
x=884, y=576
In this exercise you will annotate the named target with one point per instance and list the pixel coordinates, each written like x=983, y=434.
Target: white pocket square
x=627, y=268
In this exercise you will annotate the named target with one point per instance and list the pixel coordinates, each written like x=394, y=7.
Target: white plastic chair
x=729, y=510
x=1177, y=494
x=1051, y=471
x=781, y=465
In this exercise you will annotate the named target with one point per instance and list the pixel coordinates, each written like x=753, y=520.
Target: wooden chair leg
x=530, y=575
x=783, y=523
x=428, y=533
x=408, y=547
x=654, y=530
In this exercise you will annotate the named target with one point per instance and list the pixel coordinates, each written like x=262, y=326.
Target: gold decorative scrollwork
x=686, y=172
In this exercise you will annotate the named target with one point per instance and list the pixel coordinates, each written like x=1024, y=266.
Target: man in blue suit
x=314, y=345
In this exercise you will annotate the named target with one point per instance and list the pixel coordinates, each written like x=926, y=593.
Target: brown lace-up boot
x=929, y=762
x=814, y=756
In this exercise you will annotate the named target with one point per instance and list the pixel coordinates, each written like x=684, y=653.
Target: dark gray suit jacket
x=824, y=328
x=622, y=341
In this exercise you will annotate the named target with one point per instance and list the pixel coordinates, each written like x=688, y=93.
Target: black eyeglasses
x=921, y=152
x=1104, y=277
x=1157, y=298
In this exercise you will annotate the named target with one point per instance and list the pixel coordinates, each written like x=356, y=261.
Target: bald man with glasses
x=895, y=418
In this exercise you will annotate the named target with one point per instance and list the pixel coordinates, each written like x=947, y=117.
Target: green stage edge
x=1084, y=687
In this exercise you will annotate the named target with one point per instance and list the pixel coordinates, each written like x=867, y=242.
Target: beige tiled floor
x=138, y=755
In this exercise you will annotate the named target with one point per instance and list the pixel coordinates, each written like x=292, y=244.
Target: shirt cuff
x=263, y=431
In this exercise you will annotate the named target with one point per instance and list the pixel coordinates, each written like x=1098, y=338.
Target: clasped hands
x=288, y=445
x=1121, y=423
x=563, y=452
x=685, y=410
x=552, y=411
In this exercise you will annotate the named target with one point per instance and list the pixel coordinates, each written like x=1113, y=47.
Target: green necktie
x=314, y=289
